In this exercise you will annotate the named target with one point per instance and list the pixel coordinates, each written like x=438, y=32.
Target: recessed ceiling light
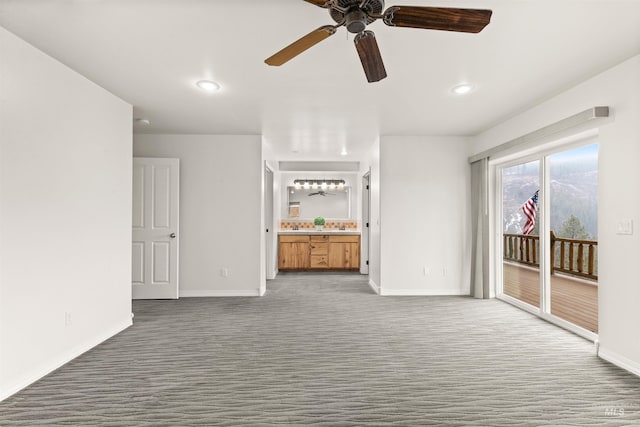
x=208, y=85
x=462, y=88
x=143, y=121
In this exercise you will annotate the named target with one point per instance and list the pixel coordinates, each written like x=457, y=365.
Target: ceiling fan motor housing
x=356, y=21
x=349, y=12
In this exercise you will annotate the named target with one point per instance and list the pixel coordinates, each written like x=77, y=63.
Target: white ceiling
x=151, y=52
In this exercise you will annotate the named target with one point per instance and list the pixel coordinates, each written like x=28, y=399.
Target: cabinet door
x=344, y=255
x=352, y=255
x=293, y=255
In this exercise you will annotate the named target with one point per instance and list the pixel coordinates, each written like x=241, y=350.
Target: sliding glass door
x=549, y=246
x=573, y=239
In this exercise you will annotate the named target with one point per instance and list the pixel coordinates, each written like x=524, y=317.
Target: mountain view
x=574, y=193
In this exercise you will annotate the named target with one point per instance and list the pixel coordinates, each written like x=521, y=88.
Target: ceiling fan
x=320, y=193
x=357, y=14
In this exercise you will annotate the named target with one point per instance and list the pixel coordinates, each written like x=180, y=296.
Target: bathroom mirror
x=310, y=203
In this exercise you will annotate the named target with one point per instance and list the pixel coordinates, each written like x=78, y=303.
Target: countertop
x=325, y=231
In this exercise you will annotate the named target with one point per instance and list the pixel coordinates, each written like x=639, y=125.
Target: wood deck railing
x=570, y=256
x=521, y=248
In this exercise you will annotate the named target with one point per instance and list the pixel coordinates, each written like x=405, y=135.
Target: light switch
x=625, y=226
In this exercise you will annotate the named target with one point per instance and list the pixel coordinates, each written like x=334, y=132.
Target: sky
x=589, y=151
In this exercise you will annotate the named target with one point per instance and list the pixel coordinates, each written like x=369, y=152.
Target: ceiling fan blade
x=321, y=3
x=300, y=45
x=438, y=18
x=369, y=53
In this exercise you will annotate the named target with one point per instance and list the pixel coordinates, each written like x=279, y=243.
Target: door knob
x=172, y=235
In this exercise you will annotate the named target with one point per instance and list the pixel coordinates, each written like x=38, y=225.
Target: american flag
x=530, y=208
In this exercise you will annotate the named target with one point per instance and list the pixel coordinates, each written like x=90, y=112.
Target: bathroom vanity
x=319, y=250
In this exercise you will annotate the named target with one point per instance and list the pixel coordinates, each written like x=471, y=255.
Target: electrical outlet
x=224, y=272
x=426, y=271
x=444, y=272
x=67, y=319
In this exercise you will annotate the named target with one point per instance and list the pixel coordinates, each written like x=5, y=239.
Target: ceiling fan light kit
x=356, y=21
x=355, y=15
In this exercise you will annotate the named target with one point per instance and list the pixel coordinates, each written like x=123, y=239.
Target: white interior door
x=155, y=228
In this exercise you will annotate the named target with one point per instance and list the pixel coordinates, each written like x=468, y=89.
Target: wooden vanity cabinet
x=319, y=252
x=293, y=253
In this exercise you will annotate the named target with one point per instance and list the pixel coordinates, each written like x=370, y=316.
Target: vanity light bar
x=315, y=183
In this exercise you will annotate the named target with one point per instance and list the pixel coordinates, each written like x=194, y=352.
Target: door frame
x=269, y=231
x=542, y=154
x=366, y=222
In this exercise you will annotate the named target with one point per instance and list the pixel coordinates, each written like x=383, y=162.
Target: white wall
x=65, y=214
x=220, y=210
x=424, y=183
x=618, y=196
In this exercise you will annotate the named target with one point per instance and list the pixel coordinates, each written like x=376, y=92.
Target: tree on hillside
x=572, y=228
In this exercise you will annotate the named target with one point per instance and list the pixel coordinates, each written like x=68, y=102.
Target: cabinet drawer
x=322, y=238
x=319, y=261
x=344, y=239
x=319, y=248
x=294, y=239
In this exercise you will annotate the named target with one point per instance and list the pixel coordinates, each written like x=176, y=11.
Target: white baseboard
x=620, y=361
x=184, y=293
x=374, y=286
x=65, y=358
x=423, y=292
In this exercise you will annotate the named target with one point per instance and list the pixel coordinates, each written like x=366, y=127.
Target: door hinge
x=367, y=187
x=367, y=225
x=367, y=262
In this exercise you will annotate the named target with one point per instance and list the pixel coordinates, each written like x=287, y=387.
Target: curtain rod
x=564, y=124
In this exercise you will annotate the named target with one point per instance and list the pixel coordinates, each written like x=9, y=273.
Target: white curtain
x=480, y=286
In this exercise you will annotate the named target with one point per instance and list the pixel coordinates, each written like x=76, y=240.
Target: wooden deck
x=572, y=299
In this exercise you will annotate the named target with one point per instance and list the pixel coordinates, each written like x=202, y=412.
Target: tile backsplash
x=330, y=224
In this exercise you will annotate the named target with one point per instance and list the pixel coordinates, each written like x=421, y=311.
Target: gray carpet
x=323, y=349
